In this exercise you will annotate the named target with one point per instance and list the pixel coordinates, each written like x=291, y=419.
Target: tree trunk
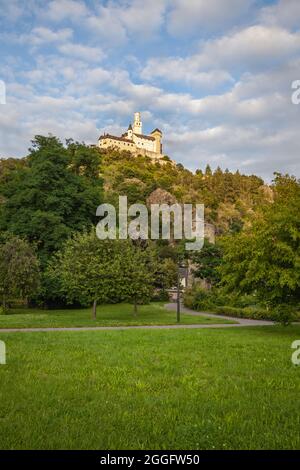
x=95, y=309
x=135, y=308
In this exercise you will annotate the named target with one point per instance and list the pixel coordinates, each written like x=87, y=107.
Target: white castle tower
x=134, y=141
x=137, y=124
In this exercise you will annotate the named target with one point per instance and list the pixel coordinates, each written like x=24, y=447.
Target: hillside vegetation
x=48, y=202
x=228, y=197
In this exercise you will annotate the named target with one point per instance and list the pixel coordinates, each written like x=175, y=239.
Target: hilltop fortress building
x=135, y=141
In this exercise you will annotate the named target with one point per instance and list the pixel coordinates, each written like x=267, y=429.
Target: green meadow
x=107, y=315
x=233, y=388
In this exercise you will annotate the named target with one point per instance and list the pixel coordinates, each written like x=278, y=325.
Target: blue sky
x=214, y=75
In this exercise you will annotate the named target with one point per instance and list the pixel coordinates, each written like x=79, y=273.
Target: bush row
x=247, y=312
x=216, y=301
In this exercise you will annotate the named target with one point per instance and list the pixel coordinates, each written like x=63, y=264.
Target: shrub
x=197, y=298
x=3, y=310
x=253, y=313
x=236, y=306
x=160, y=295
x=201, y=299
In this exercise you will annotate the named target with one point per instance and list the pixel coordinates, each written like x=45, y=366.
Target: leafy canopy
x=92, y=270
x=19, y=269
x=52, y=198
x=265, y=257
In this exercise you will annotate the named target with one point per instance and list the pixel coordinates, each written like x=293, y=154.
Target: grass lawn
x=230, y=388
x=107, y=315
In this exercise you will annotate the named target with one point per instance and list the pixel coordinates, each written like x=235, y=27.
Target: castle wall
x=120, y=144
x=129, y=146
x=144, y=143
x=157, y=144
x=135, y=142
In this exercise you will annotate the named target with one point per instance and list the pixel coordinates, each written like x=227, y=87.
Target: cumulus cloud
x=177, y=69
x=59, y=10
x=116, y=22
x=285, y=13
x=42, y=35
x=92, y=54
x=188, y=17
x=82, y=68
x=143, y=17
x=11, y=10
x=252, y=48
x=106, y=26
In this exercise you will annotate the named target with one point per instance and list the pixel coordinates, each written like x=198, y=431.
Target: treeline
x=255, y=273
x=228, y=197
x=49, y=254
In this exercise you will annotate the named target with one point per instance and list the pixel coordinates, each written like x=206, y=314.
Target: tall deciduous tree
x=206, y=262
x=52, y=200
x=19, y=270
x=265, y=257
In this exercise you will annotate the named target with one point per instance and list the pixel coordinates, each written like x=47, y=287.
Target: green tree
x=19, y=270
x=87, y=269
x=208, y=171
x=49, y=201
x=265, y=257
x=139, y=266
x=206, y=262
x=92, y=271
x=166, y=274
x=84, y=160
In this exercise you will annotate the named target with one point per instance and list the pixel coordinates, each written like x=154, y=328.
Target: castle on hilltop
x=135, y=141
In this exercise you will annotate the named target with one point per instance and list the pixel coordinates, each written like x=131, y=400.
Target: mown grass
x=230, y=388
x=107, y=315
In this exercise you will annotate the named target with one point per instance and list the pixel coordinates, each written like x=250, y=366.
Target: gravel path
x=172, y=306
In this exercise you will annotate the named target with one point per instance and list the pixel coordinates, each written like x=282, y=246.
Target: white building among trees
x=135, y=141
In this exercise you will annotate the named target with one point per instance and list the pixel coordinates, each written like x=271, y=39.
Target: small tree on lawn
x=139, y=271
x=92, y=271
x=89, y=270
x=165, y=274
x=19, y=270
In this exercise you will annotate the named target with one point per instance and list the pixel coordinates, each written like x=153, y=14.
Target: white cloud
x=59, y=10
x=107, y=26
x=285, y=13
x=116, y=22
x=189, y=17
x=237, y=109
x=177, y=69
x=258, y=134
x=42, y=35
x=253, y=48
x=11, y=10
x=88, y=53
x=143, y=17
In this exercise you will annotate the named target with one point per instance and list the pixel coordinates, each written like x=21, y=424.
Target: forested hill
x=48, y=201
x=228, y=197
